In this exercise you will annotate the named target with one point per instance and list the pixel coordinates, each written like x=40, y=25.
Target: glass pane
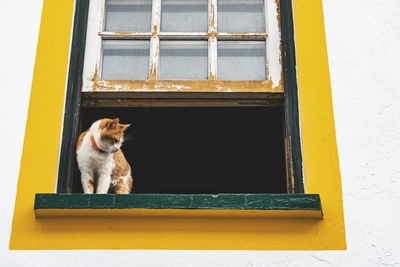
x=184, y=16
x=183, y=60
x=241, y=16
x=241, y=60
x=128, y=16
x=128, y=59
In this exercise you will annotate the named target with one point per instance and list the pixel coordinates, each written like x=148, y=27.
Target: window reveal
x=207, y=150
x=145, y=67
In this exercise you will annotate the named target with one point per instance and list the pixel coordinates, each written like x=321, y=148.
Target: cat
x=103, y=166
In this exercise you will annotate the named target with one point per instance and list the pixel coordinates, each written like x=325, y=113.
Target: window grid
x=212, y=36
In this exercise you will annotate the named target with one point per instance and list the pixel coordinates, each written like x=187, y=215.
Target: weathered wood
x=267, y=52
x=179, y=201
x=212, y=58
x=273, y=42
x=240, y=36
x=183, y=95
x=67, y=164
x=212, y=16
x=153, y=99
x=182, y=35
x=155, y=40
x=156, y=16
x=92, y=76
x=185, y=86
x=294, y=161
x=154, y=58
x=125, y=35
x=97, y=103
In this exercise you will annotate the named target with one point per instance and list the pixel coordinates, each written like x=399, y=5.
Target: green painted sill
x=242, y=205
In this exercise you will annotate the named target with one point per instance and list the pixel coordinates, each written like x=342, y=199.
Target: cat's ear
x=113, y=124
x=124, y=126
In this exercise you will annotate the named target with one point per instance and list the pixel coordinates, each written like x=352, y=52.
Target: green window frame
x=74, y=99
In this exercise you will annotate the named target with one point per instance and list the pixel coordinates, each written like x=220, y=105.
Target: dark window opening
x=200, y=150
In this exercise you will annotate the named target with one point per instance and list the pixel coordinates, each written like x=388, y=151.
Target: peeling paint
x=211, y=76
x=154, y=56
x=212, y=17
x=273, y=28
x=274, y=82
x=212, y=58
x=124, y=35
x=278, y=18
x=184, y=86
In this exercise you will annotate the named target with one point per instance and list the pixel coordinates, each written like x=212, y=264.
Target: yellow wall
x=40, y=158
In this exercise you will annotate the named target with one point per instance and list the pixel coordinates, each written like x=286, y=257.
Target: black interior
x=200, y=150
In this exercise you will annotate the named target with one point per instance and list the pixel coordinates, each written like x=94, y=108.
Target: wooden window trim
x=92, y=80
x=74, y=95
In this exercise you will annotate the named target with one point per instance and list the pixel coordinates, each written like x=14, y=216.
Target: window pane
x=128, y=59
x=184, y=16
x=241, y=16
x=128, y=16
x=241, y=60
x=183, y=60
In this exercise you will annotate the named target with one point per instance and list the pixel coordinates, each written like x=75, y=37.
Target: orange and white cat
x=102, y=164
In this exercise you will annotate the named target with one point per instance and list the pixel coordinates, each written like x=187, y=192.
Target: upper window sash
x=93, y=77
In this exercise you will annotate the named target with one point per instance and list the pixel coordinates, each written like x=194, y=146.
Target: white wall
x=364, y=53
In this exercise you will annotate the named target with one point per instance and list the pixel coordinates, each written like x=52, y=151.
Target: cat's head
x=111, y=134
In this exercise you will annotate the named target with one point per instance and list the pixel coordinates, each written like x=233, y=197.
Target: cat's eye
x=116, y=140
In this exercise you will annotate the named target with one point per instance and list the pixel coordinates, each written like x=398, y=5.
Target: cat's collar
x=95, y=145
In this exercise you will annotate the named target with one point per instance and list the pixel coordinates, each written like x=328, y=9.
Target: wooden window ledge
x=187, y=205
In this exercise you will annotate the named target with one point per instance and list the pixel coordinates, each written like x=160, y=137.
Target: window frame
x=95, y=28
x=288, y=98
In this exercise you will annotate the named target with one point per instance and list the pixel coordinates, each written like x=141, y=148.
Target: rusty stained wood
x=205, y=35
x=186, y=86
x=125, y=35
x=93, y=82
x=273, y=41
x=154, y=61
x=294, y=157
x=212, y=15
x=122, y=102
x=212, y=58
x=212, y=40
x=168, y=99
x=156, y=16
x=184, y=95
x=288, y=161
x=267, y=52
x=155, y=41
x=241, y=36
x=182, y=35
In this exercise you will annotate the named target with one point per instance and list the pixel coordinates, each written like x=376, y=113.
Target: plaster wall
x=363, y=39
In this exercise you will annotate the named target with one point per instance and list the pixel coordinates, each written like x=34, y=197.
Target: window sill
x=179, y=205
